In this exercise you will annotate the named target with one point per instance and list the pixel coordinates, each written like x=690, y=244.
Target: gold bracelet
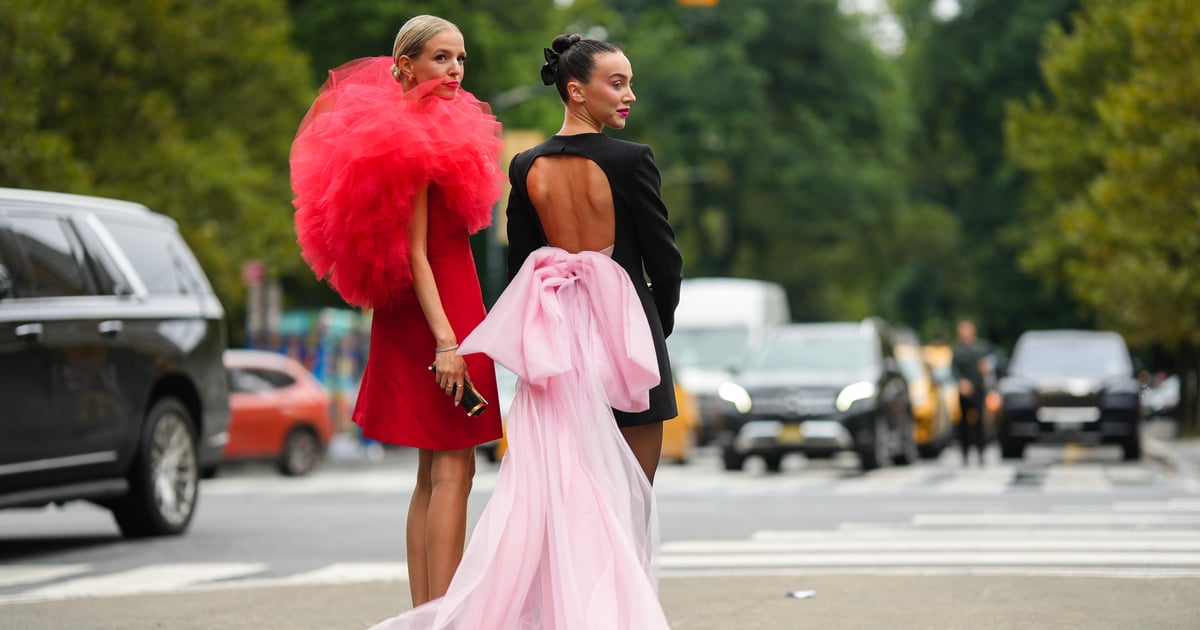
x=448, y=348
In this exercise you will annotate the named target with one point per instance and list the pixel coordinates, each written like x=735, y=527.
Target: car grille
x=1063, y=399
x=802, y=404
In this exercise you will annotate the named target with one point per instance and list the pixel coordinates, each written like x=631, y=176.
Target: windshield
x=715, y=348
x=1080, y=358
x=814, y=353
x=911, y=368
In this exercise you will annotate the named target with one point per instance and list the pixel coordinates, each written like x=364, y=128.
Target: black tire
x=872, y=451
x=1012, y=449
x=164, y=479
x=208, y=472
x=1131, y=448
x=731, y=459
x=301, y=452
x=773, y=461
x=908, y=445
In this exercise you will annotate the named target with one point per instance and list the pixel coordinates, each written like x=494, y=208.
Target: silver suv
x=111, y=377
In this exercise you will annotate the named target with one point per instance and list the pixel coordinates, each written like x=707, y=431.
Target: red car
x=278, y=411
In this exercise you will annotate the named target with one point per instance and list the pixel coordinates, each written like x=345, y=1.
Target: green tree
x=959, y=71
x=186, y=107
x=778, y=128
x=1114, y=150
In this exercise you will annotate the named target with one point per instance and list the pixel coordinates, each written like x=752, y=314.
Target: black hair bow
x=550, y=68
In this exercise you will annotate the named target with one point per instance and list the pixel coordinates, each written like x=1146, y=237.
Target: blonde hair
x=412, y=37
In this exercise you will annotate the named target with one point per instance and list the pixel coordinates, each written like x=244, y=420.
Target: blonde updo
x=413, y=36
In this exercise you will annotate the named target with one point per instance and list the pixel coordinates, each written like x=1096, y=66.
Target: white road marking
x=18, y=574
x=154, y=578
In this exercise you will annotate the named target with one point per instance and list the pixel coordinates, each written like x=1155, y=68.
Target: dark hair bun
x=565, y=41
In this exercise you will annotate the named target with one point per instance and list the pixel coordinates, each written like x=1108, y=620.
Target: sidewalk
x=716, y=603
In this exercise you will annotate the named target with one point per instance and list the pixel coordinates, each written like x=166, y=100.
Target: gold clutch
x=472, y=400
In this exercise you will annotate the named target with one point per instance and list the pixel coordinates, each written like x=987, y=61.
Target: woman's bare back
x=573, y=201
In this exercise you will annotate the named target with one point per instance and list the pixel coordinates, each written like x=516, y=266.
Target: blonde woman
x=394, y=167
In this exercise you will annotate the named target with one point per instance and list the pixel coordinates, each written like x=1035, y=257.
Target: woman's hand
x=450, y=370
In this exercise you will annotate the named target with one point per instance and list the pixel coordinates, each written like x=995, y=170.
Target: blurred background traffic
x=883, y=168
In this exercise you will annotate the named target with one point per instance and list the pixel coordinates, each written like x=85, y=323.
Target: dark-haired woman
x=569, y=539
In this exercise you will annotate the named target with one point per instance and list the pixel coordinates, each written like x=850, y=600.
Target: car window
x=815, y=353
x=1099, y=357
x=246, y=382
x=161, y=258
x=258, y=380
x=51, y=257
x=100, y=263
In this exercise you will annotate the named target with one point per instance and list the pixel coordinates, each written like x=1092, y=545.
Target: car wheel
x=1132, y=448
x=1012, y=449
x=301, y=451
x=908, y=445
x=731, y=459
x=873, y=450
x=774, y=462
x=164, y=479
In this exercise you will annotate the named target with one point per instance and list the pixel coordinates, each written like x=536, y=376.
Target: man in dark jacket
x=973, y=365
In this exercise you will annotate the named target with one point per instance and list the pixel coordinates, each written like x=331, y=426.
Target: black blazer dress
x=645, y=242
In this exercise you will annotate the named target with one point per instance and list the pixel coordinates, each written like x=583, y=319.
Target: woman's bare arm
x=451, y=369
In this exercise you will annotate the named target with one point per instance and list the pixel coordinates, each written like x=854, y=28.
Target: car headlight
x=861, y=390
x=736, y=395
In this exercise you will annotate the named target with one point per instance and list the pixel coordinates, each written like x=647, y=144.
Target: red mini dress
x=358, y=159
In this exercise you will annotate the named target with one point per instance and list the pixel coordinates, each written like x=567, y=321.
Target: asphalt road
x=1066, y=538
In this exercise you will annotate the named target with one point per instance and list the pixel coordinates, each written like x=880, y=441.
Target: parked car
x=1070, y=386
x=279, y=411
x=819, y=389
x=718, y=323
x=933, y=428
x=110, y=361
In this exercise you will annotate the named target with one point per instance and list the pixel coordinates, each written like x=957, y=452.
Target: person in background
x=974, y=366
x=394, y=167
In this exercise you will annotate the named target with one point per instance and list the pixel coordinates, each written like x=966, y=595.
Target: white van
x=717, y=323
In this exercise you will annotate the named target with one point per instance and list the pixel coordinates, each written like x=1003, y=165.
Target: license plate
x=791, y=434
x=1068, y=414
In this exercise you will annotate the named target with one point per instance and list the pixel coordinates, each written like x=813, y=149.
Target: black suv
x=818, y=389
x=1070, y=386
x=110, y=361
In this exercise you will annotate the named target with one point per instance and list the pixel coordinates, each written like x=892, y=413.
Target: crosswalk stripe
x=351, y=573
x=18, y=574
x=154, y=578
x=1050, y=519
x=900, y=543
x=930, y=558
x=879, y=531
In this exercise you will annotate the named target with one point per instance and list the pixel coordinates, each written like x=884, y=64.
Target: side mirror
x=890, y=365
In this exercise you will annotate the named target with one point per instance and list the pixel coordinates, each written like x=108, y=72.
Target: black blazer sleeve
x=524, y=231
x=656, y=238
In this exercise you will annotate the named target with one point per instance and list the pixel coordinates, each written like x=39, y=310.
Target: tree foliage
x=1114, y=150
x=186, y=107
x=778, y=127
x=959, y=72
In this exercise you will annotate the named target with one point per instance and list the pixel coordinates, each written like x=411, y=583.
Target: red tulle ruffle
x=361, y=154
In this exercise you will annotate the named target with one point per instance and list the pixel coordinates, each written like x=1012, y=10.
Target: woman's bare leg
x=451, y=473
x=646, y=443
x=418, y=515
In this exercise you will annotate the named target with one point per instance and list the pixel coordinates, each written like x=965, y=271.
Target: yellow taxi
x=932, y=425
